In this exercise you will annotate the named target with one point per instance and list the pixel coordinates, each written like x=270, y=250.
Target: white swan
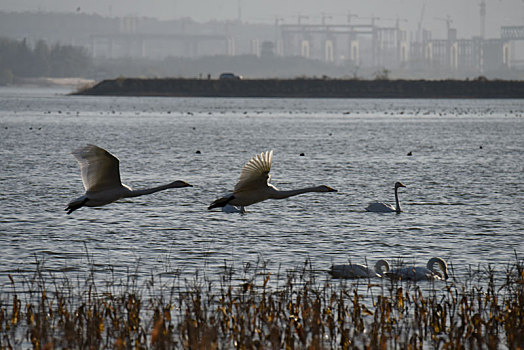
x=384, y=207
x=101, y=178
x=359, y=270
x=253, y=185
x=419, y=273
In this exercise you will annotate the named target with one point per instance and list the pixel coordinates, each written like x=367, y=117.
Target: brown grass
x=256, y=310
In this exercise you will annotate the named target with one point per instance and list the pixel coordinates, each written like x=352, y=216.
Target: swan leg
x=242, y=210
x=75, y=205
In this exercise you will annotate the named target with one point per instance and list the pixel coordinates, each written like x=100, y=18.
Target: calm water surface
x=463, y=201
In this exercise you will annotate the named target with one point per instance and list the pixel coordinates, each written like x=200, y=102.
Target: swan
x=253, y=185
x=419, y=273
x=359, y=270
x=101, y=179
x=378, y=207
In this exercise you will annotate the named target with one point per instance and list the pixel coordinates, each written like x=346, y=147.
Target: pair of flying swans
x=101, y=179
x=382, y=269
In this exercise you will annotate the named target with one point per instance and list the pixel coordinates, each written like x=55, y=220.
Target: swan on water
x=101, y=179
x=378, y=207
x=253, y=185
x=419, y=273
x=359, y=270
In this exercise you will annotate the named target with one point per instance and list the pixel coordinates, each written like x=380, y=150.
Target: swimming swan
x=384, y=207
x=359, y=270
x=101, y=178
x=419, y=273
x=253, y=185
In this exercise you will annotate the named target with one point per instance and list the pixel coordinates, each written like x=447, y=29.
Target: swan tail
x=74, y=205
x=221, y=202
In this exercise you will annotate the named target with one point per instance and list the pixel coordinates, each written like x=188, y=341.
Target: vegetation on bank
x=252, y=309
x=19, y=60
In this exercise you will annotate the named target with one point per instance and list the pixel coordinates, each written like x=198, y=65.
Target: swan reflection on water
x=231, y=209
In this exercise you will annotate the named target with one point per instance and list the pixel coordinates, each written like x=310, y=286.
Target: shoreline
x=307, y=88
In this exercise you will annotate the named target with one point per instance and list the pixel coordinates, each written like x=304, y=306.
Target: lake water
x=463, y=201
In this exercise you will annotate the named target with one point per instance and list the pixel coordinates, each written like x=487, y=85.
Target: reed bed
x=249, y=308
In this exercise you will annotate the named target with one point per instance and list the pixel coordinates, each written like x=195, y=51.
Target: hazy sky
x=464, y=13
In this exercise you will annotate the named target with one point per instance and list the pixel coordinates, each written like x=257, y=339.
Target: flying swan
x=253, y=185
x=101, y=178
x=419, y=273
x=378, y=207
x=359, y=270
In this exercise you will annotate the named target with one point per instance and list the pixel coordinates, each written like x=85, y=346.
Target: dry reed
x=260, y=311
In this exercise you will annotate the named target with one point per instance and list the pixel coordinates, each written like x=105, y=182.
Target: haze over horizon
x=431, y=14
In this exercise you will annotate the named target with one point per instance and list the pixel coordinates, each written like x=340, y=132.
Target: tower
x=482, y=19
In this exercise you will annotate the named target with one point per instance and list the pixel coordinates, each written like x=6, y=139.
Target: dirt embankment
x=309, y=88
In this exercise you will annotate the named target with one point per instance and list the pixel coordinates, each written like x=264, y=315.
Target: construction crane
x=419, y=25
x=350, y=15
x=324, y=16
x=448, y=21
x=300, y=17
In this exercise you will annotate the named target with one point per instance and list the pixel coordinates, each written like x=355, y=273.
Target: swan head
x=441, y=264
x=324, y=188
x=382, y=267
x=179, y=184
x=399, y=184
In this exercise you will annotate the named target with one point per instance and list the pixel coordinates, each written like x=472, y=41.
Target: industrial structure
x=353, y=43
x=359, y=44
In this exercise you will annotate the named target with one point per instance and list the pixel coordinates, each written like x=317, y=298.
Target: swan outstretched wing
x=99, y=168
x=255, y=174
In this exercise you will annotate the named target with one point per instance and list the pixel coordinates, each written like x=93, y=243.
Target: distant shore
x=308, y=88
x=72, y=82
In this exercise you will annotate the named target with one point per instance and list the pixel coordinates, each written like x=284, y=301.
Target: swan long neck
x=136, y=193
x=278, y=194
x=397, y=203
x=440, y=263
x=381, y=267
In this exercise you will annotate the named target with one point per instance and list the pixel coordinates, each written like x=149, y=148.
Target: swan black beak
x=331, y=189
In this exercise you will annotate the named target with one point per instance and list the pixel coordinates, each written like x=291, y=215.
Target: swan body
x=359, y=270
x=385, y=207
x=101, y=179
x=253, y=185
x=420, y=273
